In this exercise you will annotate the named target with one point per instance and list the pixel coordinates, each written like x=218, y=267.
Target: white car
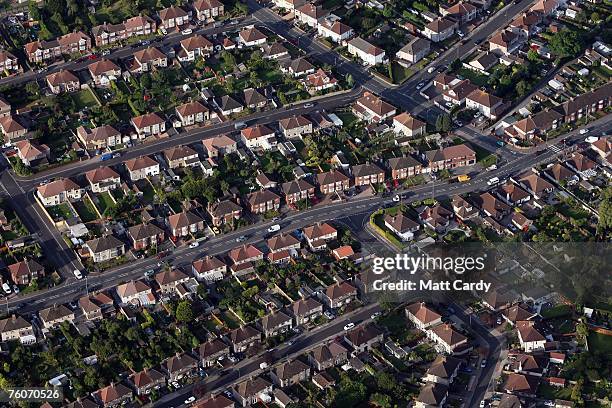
x=584, y=131
x=420, y=85
x=77, y=274
x=7, y=288
x=493, y=181
x=106, y=52
x=482, y=404
x=309, y=105
x=163, y=31
x=187, y=31
x=396, y=198
x=194, y=244
x=274, y=228
x=329, y=315
x=189, y=400
x=376, y=315
x=349, y=326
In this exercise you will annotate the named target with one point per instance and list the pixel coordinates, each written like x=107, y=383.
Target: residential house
x=224, y=212
x=339, y=294
x=12, y=128
x=526, y=24
x=191, y=113
x=243, y=259
x=103, y=179
x=250, y=37
x=458, y=93
x=185, y=223
x=105, y=248
x=310, y=14
x=135, y=293
x=251, y=391
x=371, y=108
x=179, y=366
x=368, y=53
x=505, y=42
x=211, y=351
x=333, y=181
x=147, y=380
x=443, y=370
x=207, y=10
x=408, y=125
x=17, y=328
x=96, y=306
x=496, y=300
x=461, y=12
x=582, y=165
x=415, y=50
x=253, y=99
x=492, y=206
x=463, y=209
x=363, y=338
x=58, y=191
x=402, y=226
x=521, y=385
x=9, y=63
x=63, y=81
x=298, y=67
x=319, y=234
x=535, y=184
x=306, y=310
x=483, y=62
x=209, y=269
x=432, y=395
x=535, y=125
x=147, y=59
x=368, y=174
x=173, y=18
x=106, y=34
x=319, y=81
x=487, y=104
x=55, y=315
x=228, y=105
x=169, y=280
x=219, y=145
x=263, y=201
x=98, y=138
x=243, y=338
x=103, y=72
x=422, y=316
x=436, y=217
x=440, y=29
x=181, y=156
x=512, y=194
x=295, y=126
x=142, y=167
x=274, y=51
x=149, y=124
x=451, y=157
x=42, y=51
x=530, y=338
x=23, y=272
x=31, y=153
x=194, y=47
x=335, y=30
x=275, y=323
x=404, y=167
x=290, y=373
x=328, y=355
x=258, y=137
x=114, y=395
x=517, y=313
x=298, y=190
x=446, y=337
x=587, y=103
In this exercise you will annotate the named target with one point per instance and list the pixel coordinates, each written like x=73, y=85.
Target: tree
x=565, y=43
x=184, y=311
x=350, y=80
x=595, y=17
x=32, y=88
x=381, y=400
x=455, y=65
x=522, y=88
x=443, y=122
x=604, y=225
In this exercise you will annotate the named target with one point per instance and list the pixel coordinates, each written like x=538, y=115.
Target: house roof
x=171, y=276
x=243, y=333
x=509, y=401
x=423, y=313
x=179, y=152
x=312, y=11
x=326, y=352
x=496, y=298
x=179, y=362
x=294, y=122
x=401, y=223
x=218, y=401
x=491, y=204
x=139, y=163
x=102, y=67
x=31, y=150
x=132, y=288
x=444, y=366
x=172, y=12
x=208, y=264
x=282, y=241
x=517, y=313
x=94, y=302
x=223, y=207
x=244, y=252
x=202, y=5
x=252, y=387
x=432, y=394
x=61, y=77
x=527, y=384
x=439, y=25
x=27, y=267
x=149, y=54
x=336, y=26
x=56, y=187
x=303, y=307
x=339, y=290
x=146, y=377
x=215, y=143
x=296, y=186
x=14, y=322
x=365, y=46
x=262, y=196
x=226, y=102
x=415, y=45
x=196, y=42
x=534, y=182
x=375, y=104
x=514, y=191
x=100, y=133
x=332, y=176
x=274, y=319
x=581, y=162
x=148, y=119
x=528, y=332
x=11, y=124
x=253, y=97
x=407, y=120
x=183, y=219
x=257, y=131
x=405, y=162
x=55, y=312
x=484, y=98
x=101, y=174
x=211, y=348
x=191, y=108
x=290, y=369
x=105, y=243
x=316, y=231
x=363, y=334
x=251, y=34
x=450, y=153
x=367, y=169
x=448, y=334
x=300, y=65
x=113, y=392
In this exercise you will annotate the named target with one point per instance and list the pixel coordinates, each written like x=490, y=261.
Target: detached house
x=462, y=12
x=142, y=167
x=8, y=62
x=432, y=395
x=191, y=113
x=422, y=316
x=98, y=138
x=58, y=191
x=310, y=15
x=372, y=109
x=103, y=72
x=17, y=328
x=530, y=338
x=63, y=81
x=184, y=224
x=263, y=201
x=23, y=272
x=253, y=99
x=317, y=235
x=135, y=293
x=219, y=145
x=408, y=125
x=103, y=179
x=209, y=269
x=250, y=37
x=440, y=29
x=415, y=50
x=194, y=47
x=505, y=42
x=147, y=59
x=32, y=153
x=447, y=338
x=96, y=306
x=12, y=128
x=149, y=124
x=335, y=30
x=207, y=10
x=443, y=370
x=105, y=248
x=368, y=53
x=173, y=18
x=258, y=136
x=319, y=81
x=402, y=226
x=487, y=104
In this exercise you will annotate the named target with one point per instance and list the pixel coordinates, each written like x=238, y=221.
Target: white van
x=493, y=181
x=274, y=228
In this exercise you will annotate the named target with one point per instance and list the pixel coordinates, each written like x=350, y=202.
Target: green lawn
x=557, y=311
x=551, y=392
x=600, y=342
x=105, y=201
x=476, y=78
x=85, y=211
x=84, y=99
x=61, y=211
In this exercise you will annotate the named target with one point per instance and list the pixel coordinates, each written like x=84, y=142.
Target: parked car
x=420, y=85
x=187, y=31
x=77, y=274
x=241, y=238
x=349, y=326
x=194, y=244
x=274, y=228
x=7, y=288
x=190, y=400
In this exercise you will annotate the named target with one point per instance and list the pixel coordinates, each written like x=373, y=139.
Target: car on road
x=106, y=52
x=375, y=315
x=241, y=238
x=15, y=288
x=498, y=321
x=194, y=244
x=483, y=363
x=431, y=69
x=584, y=131
x=189, y=400
x=163, y=31
x=482, y=404
x=349, y=326
x=77, y=274
x=493, y=181
x=290, y=343
x=309, y=105
x=329, y=315
x=240, y=125
x=187, y=31
x=145, y=42
x=274, y=228
x=73, y=305
x=397, y=198
x=420, y=85
x=228, y=394
x=149, y=274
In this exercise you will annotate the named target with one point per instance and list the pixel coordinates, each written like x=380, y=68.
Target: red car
x=92, y=57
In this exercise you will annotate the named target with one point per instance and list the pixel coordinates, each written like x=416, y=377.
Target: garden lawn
x=476, y=78
x=600, y=342
x=105, y=201
x=84, y=99
x=85, y=211
x=60, y=211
